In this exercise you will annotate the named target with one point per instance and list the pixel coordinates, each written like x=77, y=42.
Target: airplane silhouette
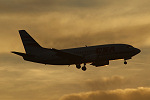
x=99, y=55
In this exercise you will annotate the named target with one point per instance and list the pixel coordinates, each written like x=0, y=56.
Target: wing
x=66, y=55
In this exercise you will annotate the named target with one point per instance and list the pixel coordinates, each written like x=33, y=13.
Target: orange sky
x=73, y=23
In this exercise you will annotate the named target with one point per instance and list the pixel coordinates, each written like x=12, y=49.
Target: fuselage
x=89, y=54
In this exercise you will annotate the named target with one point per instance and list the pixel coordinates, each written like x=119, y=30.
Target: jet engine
x=100, y=63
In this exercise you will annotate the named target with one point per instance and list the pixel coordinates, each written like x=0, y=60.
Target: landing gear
x=78, y=66
x=84, y=67
x=125, y=62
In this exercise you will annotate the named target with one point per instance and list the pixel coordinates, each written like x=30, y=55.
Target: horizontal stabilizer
x=19, y=53
x=22, y=54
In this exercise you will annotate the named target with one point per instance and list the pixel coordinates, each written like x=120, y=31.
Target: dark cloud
x=45, y=6
x=36, y=6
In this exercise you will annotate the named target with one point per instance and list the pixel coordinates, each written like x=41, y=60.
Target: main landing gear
x=84, y=67
x=78, y=66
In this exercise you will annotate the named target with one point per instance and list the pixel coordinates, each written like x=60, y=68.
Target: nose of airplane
x=138, y=50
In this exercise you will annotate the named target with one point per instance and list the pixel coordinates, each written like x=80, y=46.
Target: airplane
x=98, y=55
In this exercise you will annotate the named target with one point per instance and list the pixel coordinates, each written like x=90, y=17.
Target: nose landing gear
x=125, y=62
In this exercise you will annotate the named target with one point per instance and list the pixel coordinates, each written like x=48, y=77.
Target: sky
x=65, y=24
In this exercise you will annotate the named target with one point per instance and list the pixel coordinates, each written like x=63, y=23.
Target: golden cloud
x=61, y=23
x=108, y=83
x=141, y=93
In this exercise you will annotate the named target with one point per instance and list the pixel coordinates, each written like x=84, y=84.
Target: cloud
x=9, y=59
x=132, y=34
x=63, y=33
x=77, y=23
x=44, y=6
x=38, y=6
x=108, y=83
x=140, y=93
x=35, y=81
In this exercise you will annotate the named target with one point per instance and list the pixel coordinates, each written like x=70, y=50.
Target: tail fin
x=30, y=45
